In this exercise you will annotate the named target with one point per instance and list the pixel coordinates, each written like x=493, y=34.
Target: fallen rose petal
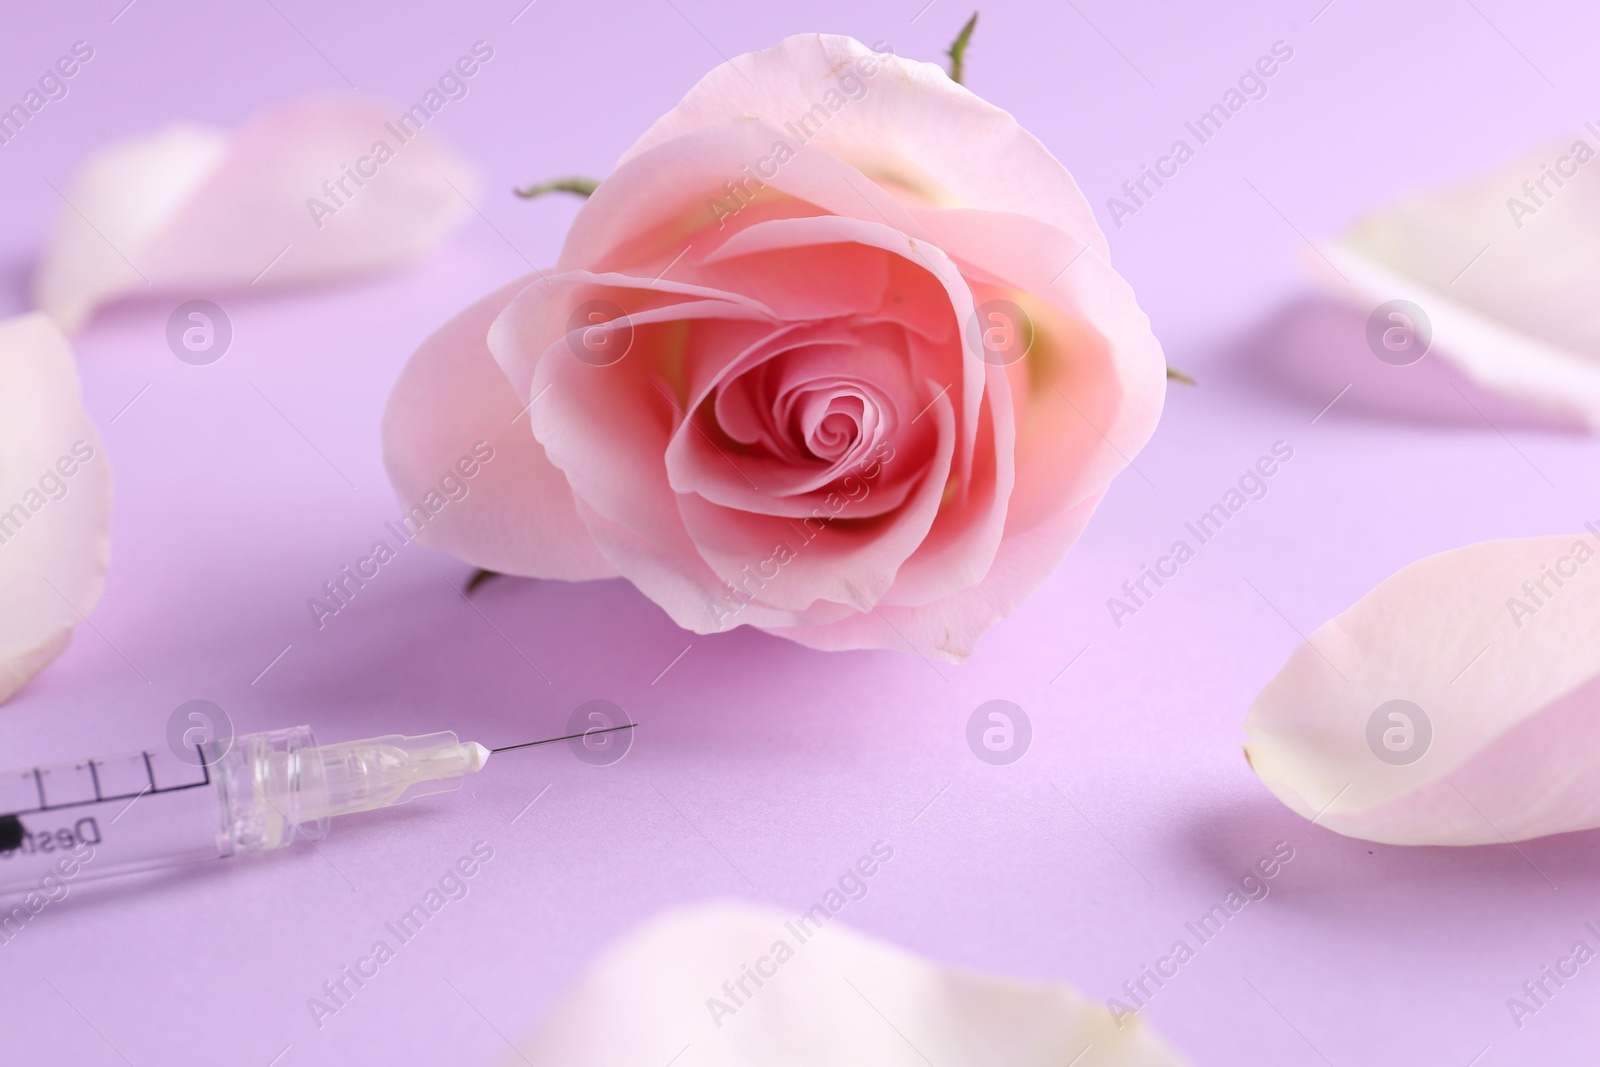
x=303, y=193
x=670, y=992
x=55, y=500
x=1506, y=283
x=1458, y=703
x=1317, y=347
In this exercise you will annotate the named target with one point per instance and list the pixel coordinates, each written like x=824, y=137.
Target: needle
x=568, y=737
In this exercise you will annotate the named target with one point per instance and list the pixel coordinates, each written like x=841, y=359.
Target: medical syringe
x=230, y=797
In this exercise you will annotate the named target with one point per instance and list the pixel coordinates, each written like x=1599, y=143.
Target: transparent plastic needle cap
x=282, y=784
x=381, y=772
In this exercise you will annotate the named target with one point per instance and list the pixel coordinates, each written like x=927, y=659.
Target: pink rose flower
x=835, y=352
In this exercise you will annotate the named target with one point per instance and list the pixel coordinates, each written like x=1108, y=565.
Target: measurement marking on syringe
x=152, y=788
x=105, y=800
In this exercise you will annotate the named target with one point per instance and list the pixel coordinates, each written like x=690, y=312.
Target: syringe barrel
x=105, y=816
x=253, y=793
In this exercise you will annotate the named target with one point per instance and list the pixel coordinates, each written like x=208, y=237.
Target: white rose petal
x=300, y=194
x=1458, y=703
x=55, y=500
x=1506, y=266
x=829, y=997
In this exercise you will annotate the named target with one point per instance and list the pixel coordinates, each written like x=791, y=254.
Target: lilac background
x=763, y=769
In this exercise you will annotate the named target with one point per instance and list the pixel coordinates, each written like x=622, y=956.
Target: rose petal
x=968, y=375
x=654, y=996
x=964, y=538
x=828, y=557
x=961, y=540
x=656, y=204
x=54, y=525
x=606, y=421
x=1091, y=391
x=1508, y=290
x=1503, y=682
x=132, y=191
x=518, y=516
x=781, y=484
x=949, y=628
x=1317, y=348
x=667, y=568
x=967, y=152
x=190, y=210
